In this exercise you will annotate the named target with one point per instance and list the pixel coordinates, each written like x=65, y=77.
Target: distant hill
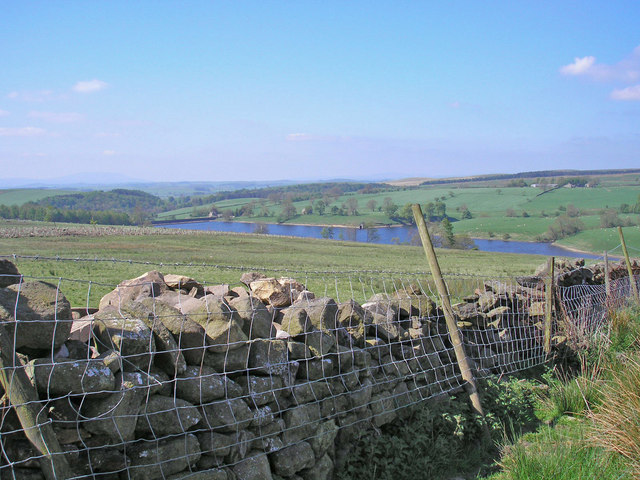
x=533, y=174
x=179, y=189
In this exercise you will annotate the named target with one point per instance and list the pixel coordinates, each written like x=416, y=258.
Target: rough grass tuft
x=560, y=453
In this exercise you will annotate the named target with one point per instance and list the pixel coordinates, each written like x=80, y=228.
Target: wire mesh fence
x=248, y=374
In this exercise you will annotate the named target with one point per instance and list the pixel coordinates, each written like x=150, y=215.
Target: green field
x=605, y=239
x=341, y=270
x=517, y=213
x=482, y=202
x=19, y=196
x=498, y=211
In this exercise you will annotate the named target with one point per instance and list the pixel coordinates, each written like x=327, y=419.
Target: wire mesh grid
x=276, y=372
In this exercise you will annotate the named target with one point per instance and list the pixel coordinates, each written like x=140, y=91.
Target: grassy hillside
x=518, y=213
x=495, y=209
x=604, y=239
x=482, y=202
x=18, y=196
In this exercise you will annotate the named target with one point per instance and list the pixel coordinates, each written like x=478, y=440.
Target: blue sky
x=222, y=90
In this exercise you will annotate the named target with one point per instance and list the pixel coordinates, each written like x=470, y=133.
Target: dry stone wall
x=171, y=378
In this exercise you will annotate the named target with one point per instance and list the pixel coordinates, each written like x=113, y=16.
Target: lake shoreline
x=577, y=250
x=355, y=233
x=328, y=225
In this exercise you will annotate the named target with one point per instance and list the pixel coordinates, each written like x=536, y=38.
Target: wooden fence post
x=548, y=310
x=607, y=280
x=452, y=325
x=24, y=399
x=632, y=280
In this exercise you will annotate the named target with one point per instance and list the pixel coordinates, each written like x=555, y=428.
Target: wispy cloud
x=22, y=132
x=4, y=113
x=31, y=96
x=628, y=94
x=580, y=66
x=90, y=86
x=57, y=117
x=627, y=70
x=109, y=153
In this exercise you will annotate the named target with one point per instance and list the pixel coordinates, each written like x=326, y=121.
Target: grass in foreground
x=560, y=453
x=594, y=418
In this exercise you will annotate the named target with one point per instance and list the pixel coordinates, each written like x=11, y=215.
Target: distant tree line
x=293, y=193
x=33, y=211
x=626, y=208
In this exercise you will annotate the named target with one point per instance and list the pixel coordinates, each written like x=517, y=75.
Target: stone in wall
x=222, y=327
x=256, y=319
x=62, y=377
x=148, y=285
x=37, y=314
x=126, y=334
x=153, y=460
x=9, y=273
x=199, y=370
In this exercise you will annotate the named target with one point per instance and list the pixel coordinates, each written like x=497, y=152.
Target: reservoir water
x=386, y=235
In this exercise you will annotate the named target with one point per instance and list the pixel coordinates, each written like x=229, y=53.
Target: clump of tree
x=351, y=206
x=436, y=210
x=626, y=208
x=572, y=211
x=433, y=212
x=610, y=219
x=119, y=200
x=320, y=206
x=404, y=215
x=442, y=236
x=35, y=212
x=336, y=210
x=517, y=182
x=288, y=211
x=389, y=208
x=447, y=232
x=197, y=212
x=264, y=209
x=247, y=210
x=563, y=226
x=465, y=213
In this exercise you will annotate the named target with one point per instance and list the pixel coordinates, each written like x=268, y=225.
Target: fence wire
x=264, y=372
